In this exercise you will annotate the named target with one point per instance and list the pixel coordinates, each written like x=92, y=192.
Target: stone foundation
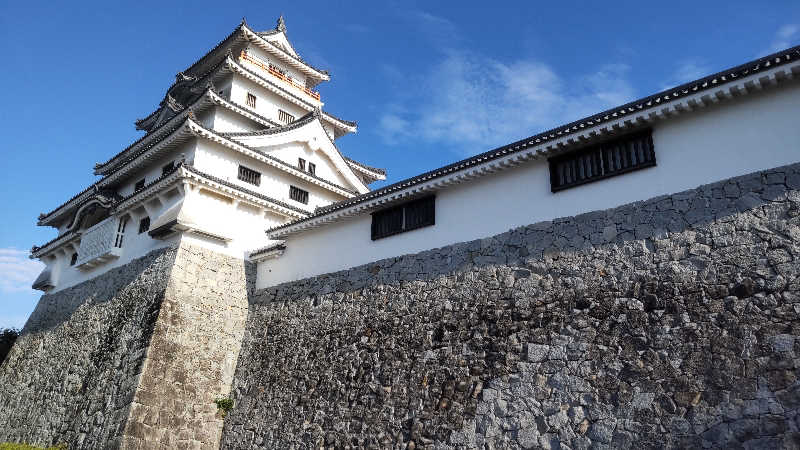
x=131, y=359
x=72, y=374
x=669, y=323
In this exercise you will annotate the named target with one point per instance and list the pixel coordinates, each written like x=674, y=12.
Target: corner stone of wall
x=668, y=323
x=192, y=354
x=72, y=374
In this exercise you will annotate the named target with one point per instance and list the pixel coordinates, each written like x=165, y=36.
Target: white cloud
x=786, y=36
x=17, y=271
x=474, y=100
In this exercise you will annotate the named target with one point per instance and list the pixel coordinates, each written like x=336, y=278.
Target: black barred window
x=406, y=217
x=298, y=195
x=626, y=154
x=249, y=176
x=251, y=100
x=312, y=168
x=144, y=224
x=73, y=259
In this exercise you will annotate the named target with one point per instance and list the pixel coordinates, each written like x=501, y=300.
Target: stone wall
x=133, y=358
x=192, y=353
x=668, y=323
x=72, y=374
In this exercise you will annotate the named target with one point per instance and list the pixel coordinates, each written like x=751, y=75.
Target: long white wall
x=740, y=136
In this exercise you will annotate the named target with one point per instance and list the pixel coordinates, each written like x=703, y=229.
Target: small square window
x=139, y=185
x=169, y=167
x=144, y=225
x=301, y=163
x=73, y=259
x=251, y=100
x=312, y=168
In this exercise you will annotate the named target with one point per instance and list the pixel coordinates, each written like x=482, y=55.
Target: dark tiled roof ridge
x=704, y=83
x=268, y=248
x=351, y=123
x=365, y=166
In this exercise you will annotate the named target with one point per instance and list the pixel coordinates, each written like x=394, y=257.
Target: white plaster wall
x=228, y=121
x=267, y=102
x=154, y=169
x=224, y=163
x=737, y=137
x=324, y=166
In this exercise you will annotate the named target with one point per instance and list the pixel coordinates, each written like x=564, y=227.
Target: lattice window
x=144, y=224
x=249, y=176
x=301, y=163
x=285, y=117
x=405, y=217
x=298, y=195
x=123, y=221
x=608, y=159
x=312, y=168
x=251, y=100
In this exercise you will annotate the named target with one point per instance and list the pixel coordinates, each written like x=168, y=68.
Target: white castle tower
x=239, y=144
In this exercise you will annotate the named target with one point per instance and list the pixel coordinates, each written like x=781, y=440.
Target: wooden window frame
x=408, y=216
x=607, y=159
x=285, y=117
x=249, y=175
x=298, y=195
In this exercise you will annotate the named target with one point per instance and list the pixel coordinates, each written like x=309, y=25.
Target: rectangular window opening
x=144, y=224
x=301, y=163
x=73, y=259
x=139, y=185
x=604, y=160
x=123, y=221
x=406, y=217
x=285, y=117
x=312, y=168
x=298, y=195
x=251, y=100
x=249, y=176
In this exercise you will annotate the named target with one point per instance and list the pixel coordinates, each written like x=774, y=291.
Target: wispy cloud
x=687, y=71
x=17, y=272
x=786, y=36
x=475, y=101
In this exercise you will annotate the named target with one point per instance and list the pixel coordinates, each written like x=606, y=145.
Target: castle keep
x=628, y=280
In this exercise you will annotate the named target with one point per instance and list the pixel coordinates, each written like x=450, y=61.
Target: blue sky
x=428, y=82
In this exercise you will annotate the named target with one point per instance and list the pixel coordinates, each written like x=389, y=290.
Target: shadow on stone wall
x=72, y=374
x=667, y=323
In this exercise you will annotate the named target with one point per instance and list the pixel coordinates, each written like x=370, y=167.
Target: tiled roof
x=364, y=166
x=267, y=249
x=684, y=90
